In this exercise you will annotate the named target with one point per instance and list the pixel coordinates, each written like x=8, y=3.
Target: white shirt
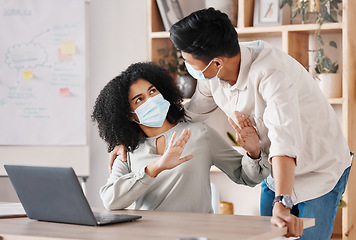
x=187, y=186
x=289, y=111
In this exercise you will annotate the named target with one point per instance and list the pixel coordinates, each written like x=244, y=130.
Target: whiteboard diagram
x=42, y=72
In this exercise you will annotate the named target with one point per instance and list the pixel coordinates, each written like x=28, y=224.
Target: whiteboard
x=42, y=84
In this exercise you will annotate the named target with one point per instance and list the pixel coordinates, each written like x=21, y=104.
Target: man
x=296, y=124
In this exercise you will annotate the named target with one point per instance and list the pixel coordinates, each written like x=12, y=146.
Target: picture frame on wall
x=268, y=13
x=170, y=11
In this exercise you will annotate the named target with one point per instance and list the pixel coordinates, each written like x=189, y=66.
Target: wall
x=118, y=37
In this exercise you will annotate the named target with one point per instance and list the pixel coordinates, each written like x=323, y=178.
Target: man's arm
x=283, y=174
x=201, y=105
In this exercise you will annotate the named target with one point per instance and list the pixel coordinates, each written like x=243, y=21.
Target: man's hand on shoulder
x=117, y=151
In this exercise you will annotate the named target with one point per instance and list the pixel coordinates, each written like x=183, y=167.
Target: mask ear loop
x=135, y=119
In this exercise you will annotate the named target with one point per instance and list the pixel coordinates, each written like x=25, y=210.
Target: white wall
x=117, y=38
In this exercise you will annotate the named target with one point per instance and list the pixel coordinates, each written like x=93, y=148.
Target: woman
x=141, y=109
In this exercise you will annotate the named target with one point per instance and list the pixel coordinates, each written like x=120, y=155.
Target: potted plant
x=172, y=60
x=326, y=11
x=326, y=70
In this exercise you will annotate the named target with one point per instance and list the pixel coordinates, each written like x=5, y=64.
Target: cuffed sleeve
x=256, y=169
x=239, y=168
x=124, y=187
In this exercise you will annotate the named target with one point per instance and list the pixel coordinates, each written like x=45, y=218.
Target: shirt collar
x=245, y=63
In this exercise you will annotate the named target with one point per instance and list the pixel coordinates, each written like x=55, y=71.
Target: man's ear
x=218, y=61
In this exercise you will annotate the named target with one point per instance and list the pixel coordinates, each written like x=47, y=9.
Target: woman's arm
x=240, y=169
x=124, y=187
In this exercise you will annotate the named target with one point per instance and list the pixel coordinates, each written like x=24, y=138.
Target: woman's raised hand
x=172, y=157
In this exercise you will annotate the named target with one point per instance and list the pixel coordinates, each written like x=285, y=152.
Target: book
x=170, y=12
x=11, y=210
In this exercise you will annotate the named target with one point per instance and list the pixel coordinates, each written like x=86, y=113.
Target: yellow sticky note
x=67, y=47
x=27, y=75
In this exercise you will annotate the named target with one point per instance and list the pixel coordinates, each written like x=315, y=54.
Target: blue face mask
x=153, y=112
x=199, y=74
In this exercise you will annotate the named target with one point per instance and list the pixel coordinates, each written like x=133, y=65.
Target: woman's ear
x=134, y=118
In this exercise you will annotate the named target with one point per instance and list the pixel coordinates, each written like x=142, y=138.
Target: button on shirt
x=289, y=111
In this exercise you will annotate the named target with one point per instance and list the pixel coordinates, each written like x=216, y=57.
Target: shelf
x=329, y=27
x=159, y=34
x=273, y=30
x=335, y=100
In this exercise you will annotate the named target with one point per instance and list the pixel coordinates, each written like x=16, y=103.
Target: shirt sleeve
x=123, y=186
x=201, y=105
x=282, y=114
x=239, y=168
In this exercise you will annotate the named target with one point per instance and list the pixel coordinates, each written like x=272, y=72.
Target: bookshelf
x=295, y=42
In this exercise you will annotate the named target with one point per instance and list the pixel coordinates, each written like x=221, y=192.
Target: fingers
x=172, y=138
x=117, y=151
x=183, y=139
x=293, y=223
x=234, y=125
x=278, y=221
x=186, y=158
x=242, y=120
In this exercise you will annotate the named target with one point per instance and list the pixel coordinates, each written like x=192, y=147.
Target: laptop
x=54, y=194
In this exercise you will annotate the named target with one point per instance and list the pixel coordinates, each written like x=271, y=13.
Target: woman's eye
x=152, y=91
x=138, y=100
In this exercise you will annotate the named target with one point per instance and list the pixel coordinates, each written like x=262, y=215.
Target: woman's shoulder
x=199, y=130
x=193, y=126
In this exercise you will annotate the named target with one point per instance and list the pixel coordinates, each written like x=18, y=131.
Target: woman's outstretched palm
x=172, y=157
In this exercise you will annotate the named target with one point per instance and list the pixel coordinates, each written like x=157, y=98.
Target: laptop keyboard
x=103, y=217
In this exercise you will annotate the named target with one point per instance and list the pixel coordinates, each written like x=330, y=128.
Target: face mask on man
x=199, y=74
x=153, y=112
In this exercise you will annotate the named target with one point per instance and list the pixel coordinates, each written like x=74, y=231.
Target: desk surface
x=153, y=225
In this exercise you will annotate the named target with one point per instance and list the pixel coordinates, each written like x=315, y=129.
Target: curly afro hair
x=112, y=110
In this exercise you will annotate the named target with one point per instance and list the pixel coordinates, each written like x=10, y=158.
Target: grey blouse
x=187, y=186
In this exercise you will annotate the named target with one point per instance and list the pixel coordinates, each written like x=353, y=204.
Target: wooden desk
x=153, y=225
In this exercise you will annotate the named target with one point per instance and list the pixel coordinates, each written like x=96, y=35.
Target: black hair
x=206, y=34
x=112, y=110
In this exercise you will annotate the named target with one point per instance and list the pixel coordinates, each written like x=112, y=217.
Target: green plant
x=301, y=8
x=232, y=139
x=323, y=63
x=329, y=9
x=328, y=12
x=172, y=60
x=329, y=16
